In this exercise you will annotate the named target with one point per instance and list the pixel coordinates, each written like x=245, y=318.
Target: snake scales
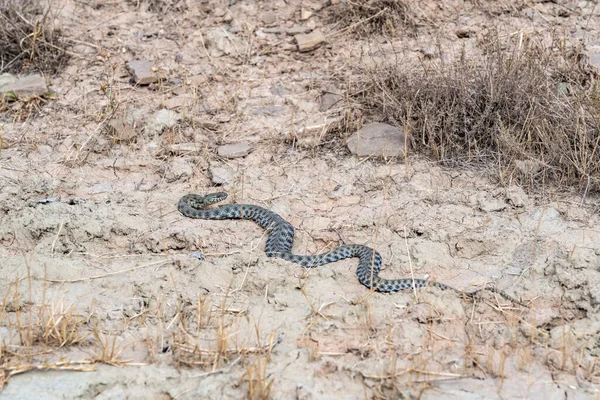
x=281, y=237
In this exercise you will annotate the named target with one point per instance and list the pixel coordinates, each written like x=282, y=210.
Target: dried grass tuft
x=386, y=17
x=29, y=41
x=531, y=111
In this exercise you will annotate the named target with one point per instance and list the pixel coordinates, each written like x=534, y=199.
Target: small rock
x=328, y=100
x=594, y=60
x=428, y=52
x=6, y=79
x=162, y=119
x=278, y=90
x=310, y=41
x=268, y=18
x=234, y=150
x=309, y=135
x=220, y=42
x=465, y=32
x=305, y=14
x=125, y=125
x=177, y=169
x=197, y=80
x=24, y=87
x=142, y=72
x=298, y=30
x=101, y=187
x=184, y=100
x=175, y=81
x=528, y=167
x=488, y=203
x=183, y=149
x=272, y=30
x=516, y=196
x=269, y=110
x=122, y=131
x=377, y=139
x=221, y=175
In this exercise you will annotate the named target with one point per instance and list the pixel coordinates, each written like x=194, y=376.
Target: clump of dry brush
x=531, y=111
x=386, y=17
x=28, y=40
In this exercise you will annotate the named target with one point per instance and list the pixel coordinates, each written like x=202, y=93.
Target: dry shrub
x=373, y=16
x=160, y=6
x=531, y=110
x=29, y=42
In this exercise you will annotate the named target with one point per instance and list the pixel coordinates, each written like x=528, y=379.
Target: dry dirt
x=104, y=295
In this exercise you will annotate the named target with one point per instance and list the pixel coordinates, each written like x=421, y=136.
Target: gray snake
x=281, y=236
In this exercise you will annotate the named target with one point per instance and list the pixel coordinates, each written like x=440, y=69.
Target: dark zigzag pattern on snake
x=281, y=236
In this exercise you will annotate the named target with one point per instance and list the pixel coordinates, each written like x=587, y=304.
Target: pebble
x=162, y=119
x=268, y=18
x=177, y=102
x=310, y=41
x=183, y=148
x=234, y=150
x=142, y=73
x=101, y=187
x=465, y=32
x=222, y=174
x=23, y=87
x=177, y=169
x=377, y=139
x=328, y=100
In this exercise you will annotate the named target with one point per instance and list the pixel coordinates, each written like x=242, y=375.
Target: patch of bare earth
x=109, y=291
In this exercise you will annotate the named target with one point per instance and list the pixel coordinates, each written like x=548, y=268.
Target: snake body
x=281, y=237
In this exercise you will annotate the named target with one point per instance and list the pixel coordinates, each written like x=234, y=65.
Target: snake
x=280, y=239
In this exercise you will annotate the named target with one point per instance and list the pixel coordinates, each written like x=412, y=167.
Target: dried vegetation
x=527, y=110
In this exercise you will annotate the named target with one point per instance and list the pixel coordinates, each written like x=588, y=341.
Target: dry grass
x=160, y=6
x=531, y=111
x=386, y=17
x=29, y=41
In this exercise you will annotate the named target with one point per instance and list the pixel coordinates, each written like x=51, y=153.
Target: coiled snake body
x=281, y=237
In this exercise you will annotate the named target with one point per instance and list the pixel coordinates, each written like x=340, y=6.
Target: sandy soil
x=114, y=265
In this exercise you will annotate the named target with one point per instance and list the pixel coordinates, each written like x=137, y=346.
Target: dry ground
x=102, y=295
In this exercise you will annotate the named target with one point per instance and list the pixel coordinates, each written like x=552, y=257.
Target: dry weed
x=29, y=42
x=160, y=6
x=386, y=17
x=258, y=381
x=530, y=110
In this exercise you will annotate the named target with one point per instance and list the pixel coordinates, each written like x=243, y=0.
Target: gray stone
x=185, y=100
x=219, y=41
x=269, y=110
x=142, y=72
x=377, y=139
x=24, y=87
x=298, y=30
x=184, y=148
x=594, y=59
x=329, y=99
x=177, y=169
x=278, y=90
x=6, y=78
x=234, y=150
x=465, y=32
x=310, y=41
x=125, y=125
x=305, y=14
x=102, y=187
x=268, y=18
x=221, y=174
x=162, y=119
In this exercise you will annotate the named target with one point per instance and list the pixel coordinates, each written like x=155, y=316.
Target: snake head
x=199, y=202
x=213, y=198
